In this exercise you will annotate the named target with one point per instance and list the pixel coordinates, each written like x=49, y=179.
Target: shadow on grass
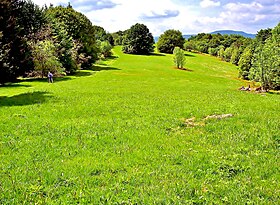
x=184, y=69
x=156, y=54
x=55, y=79
x=150, y=54
x=274, y=92
x=100, y=68
x=83, y=73
x=14, y=85
x=110, y=58
x=29, y=98
x=189, y=55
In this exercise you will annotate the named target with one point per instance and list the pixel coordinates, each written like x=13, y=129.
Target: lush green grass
x=117, y=135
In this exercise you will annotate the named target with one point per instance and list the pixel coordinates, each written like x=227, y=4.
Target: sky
x=188, y=16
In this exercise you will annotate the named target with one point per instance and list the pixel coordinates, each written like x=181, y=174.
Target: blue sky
x=188, y=16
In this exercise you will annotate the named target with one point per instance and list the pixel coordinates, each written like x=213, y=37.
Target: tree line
x=257, y=59
x=35, y=40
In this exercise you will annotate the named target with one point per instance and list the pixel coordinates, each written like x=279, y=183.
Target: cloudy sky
x=188, y=16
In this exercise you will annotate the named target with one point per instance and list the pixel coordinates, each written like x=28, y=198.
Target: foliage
x=105, y=49
x=244, y=63
x=227, y=47
x=213, y=51
x=266, y=62
x=179, y=57
x=31, y=17
x=235, y=56
x=255, y=57
x=221, y=52
x=189, y=46
x=263, y=35
x=44, y=57
x=102, y=35
x=169, y=40
x=118, y=37
x=138, y=40
x=79, y=28
x=11, y=40
x=19, y=20
x=228, y=53
x=67, y=48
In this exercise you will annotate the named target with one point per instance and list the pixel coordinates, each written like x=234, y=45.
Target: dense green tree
x=105, y=49
x=263, y=34
x=215, y=41
x=19, y=20
x=202, y=46
x=79, y=27
x=221, y=52
x=179, y=57
x=235, y=56
x=65, y=46
x=31, y=17
x=119, y=37
x=213, y=51
x=189, y=46
x=11, y=40
x=138, y=40
x=169, y=40
x=228, y=53
x=102, y=35
x=266, y=62
x=108, y=37
x=244, y=63
x=44, y=57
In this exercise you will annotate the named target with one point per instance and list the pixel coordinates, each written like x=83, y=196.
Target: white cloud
x=189, y=18
x=209, y=3
x=242, y=7
x=129, y=12
x=252, y=16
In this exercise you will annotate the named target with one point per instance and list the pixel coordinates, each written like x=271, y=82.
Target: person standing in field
x=50, y=77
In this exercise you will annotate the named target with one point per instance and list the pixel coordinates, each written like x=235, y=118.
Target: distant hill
x=230, y=32
x=223, y=32
x=187, y=36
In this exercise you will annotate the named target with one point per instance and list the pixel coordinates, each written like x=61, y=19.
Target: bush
x=105, y=49
x=179, y=57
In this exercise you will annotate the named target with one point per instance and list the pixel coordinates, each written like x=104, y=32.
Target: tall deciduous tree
x=169, y=40
x=44, y=57
x=11, y=41
x=266, y=62
x=19, y=19
x=79, y=28
x=244, y=63
x=138, y=40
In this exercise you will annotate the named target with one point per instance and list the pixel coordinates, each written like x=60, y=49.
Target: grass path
x=118, y=135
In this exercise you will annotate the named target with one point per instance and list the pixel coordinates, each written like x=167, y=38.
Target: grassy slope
x=117, y=135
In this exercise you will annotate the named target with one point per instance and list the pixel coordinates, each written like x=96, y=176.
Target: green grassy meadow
x=117, y=135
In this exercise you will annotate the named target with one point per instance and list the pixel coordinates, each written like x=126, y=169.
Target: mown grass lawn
x=117, y=135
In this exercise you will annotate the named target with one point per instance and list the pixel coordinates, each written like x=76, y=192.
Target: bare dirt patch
x=192, y=122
